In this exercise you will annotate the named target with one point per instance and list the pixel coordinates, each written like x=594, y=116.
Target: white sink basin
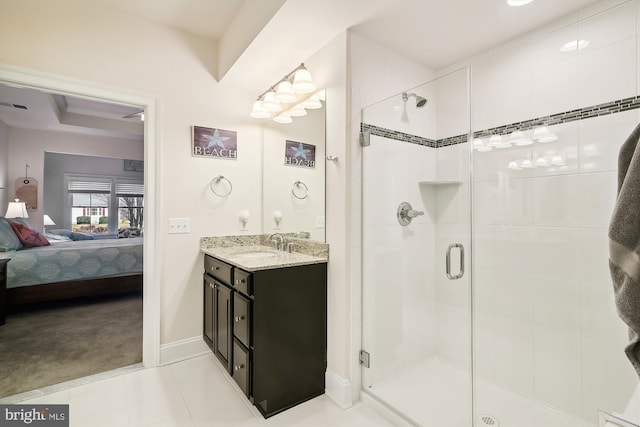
x=258, y=255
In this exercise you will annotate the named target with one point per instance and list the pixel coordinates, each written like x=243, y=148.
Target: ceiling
x=435, y=33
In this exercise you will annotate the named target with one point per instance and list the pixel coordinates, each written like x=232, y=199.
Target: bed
x=69, y=269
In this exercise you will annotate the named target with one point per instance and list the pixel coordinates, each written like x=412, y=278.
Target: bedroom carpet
x=51, y=343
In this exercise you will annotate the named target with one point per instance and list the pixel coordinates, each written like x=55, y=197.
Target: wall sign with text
x=300, y=154
x=215, y=143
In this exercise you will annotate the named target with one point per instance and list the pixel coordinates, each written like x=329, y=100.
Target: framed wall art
x=214, y=143
x=299, y=154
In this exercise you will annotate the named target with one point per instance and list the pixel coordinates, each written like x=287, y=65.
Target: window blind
x=80, y=186
x=127, y=189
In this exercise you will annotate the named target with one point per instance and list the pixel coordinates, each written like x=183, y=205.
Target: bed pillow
x=28, y=237
x=80, y=236
x=72, y=235
x=8, y=239
x=56, y=237
x=60, y=232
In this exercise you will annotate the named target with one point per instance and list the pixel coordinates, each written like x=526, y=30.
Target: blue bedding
x=74, y=260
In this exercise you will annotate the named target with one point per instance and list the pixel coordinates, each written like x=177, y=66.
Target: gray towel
x=624, y=244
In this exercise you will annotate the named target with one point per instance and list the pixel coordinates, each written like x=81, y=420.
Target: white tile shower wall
x=546, y=322
x=398, y=301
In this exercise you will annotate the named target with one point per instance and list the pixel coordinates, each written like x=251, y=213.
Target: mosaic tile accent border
x=397, y=135
x=604, y=109
x=598, y=110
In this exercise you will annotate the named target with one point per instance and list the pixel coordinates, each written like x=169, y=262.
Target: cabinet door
x=207, y=327
x=223, y=324
x=242, y=318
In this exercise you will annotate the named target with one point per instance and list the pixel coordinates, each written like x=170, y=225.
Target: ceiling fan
x=137, y=114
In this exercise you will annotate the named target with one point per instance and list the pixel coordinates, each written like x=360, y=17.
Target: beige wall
x=106, y=48
x=109, y=49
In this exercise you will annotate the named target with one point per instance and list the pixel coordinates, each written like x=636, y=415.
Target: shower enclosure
x=486, y=297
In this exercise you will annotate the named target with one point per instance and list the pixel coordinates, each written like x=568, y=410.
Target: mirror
x=293, y=176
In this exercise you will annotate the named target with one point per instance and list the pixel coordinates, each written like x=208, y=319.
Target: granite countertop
x=252, y=253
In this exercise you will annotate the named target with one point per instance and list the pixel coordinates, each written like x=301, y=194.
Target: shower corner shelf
x=440, y=182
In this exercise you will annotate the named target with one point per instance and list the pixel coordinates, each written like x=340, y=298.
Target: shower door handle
x=448, y=263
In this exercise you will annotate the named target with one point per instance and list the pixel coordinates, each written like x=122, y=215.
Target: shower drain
x=488, y=420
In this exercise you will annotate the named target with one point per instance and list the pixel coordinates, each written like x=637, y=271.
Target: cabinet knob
x=239, y=318
x=240, y=281
x=238, y=367
x=216, y=268
x=211, y=285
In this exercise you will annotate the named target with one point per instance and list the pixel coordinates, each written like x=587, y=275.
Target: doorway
x=28, y=79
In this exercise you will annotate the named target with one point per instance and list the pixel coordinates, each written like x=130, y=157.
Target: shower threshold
x=436, y=393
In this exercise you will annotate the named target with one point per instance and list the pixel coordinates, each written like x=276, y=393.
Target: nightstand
x=3, y=290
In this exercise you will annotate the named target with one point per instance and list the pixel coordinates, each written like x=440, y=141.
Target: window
x=105, y=205
x=130, y=208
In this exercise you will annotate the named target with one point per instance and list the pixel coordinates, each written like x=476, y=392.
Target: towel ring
x=300, y=184
x=215, y=181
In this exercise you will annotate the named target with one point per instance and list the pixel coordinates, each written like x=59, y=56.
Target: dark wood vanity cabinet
x=218, y=310
x=279, y=330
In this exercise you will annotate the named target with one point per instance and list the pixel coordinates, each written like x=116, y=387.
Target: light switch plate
x=179, y=225
x=319, y=222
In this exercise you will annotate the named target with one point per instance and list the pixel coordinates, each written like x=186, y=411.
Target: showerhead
x=420, y=101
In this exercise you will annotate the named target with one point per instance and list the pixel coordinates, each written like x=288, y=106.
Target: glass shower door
x=416, y=253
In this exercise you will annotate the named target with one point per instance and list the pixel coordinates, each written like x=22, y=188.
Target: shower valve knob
x=406, y=213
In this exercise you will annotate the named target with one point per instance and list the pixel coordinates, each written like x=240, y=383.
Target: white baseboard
x=182, y=350
x=338, y=389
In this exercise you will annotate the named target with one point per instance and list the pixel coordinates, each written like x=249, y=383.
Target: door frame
x=36, y=80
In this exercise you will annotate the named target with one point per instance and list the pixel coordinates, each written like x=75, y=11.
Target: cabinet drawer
x=241, y=369
x=218, y=269
x=243, y=282
x=242, y=318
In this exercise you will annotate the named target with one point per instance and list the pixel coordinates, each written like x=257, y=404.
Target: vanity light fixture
x=518, y=138
x=541, y=162
x=258, y=111
x=283, y=118
x=513, y=165
x=542, y=134
x=270, y=103
x=288, y=98
x=312, y=103
x=284, y=93
x=496, y=141
x=297, y=111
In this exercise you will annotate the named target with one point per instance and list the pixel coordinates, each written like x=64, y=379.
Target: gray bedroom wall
x=56, y=165
x=4, y=166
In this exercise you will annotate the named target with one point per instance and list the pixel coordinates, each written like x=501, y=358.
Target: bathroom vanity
x=265, y=319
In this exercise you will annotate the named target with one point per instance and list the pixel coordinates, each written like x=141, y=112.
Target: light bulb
x=297, y=111
x=312, y=103
x=258, y=111
x=270, y=103
x=283, y=118
x=513, y=165
x=302, y=82
x=284, y=92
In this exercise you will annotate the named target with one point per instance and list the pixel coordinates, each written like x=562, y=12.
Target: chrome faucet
x=278, y=241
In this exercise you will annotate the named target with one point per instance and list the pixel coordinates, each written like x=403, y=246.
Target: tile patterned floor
x=191, y=393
